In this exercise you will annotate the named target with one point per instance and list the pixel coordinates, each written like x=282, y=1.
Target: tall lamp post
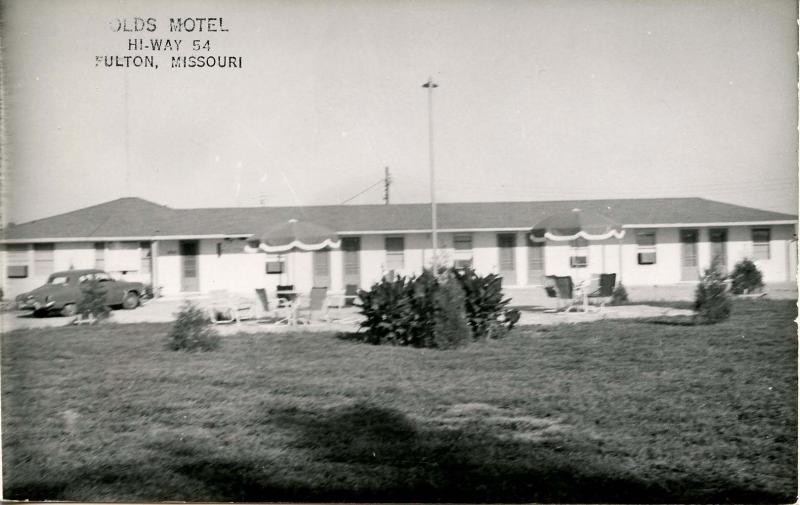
x=431, y=85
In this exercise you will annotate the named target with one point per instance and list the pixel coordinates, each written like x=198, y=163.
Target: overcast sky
x=537, y=100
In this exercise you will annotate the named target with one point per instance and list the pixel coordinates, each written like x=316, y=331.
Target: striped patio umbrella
x=294, y=235
x=574, y=224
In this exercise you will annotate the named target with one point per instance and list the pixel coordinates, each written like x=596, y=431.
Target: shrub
x=712, y=303
x=192, y=331
x=450, y=328
x=619, y=295
x=746, y=278
x=93, y=301
x=485, y=305
x=411, y=310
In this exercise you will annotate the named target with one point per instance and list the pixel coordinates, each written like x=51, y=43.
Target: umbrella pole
x=619, y=258
x=603, y=255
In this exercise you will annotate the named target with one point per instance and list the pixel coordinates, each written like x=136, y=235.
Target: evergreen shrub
x=712, y=303
x=620, y=295
x=746, y=278
x=450, y=329
x=192, y=331
x=93, y=301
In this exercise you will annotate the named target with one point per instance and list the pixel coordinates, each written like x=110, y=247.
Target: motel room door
x=189, y=272
x=351, y=269
x=322, y=268
x=535, y=262
x=689, y=269
x=719, y=247
x=506, y=243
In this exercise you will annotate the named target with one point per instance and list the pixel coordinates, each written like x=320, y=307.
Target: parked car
x=64, y=290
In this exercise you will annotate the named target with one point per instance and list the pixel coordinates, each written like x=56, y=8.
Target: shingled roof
x=138, y=218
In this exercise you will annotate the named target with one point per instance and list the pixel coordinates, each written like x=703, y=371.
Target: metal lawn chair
x=604, y=289
x=566, y=291
x=316, y=305
x=273, y=314
x=562, y=289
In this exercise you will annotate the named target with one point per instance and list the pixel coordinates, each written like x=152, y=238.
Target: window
x=761, y=243
x=462, y=243
x=17, y=257
x=395, y=253
x=274, y=264
x=100, y=255
x=58, y=280
x=43, y=258
x=579, y=258
x=646, y=245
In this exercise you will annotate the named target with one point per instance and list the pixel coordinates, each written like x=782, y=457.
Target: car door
x=64, y=293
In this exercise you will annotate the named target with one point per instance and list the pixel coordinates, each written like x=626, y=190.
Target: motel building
x=667, y=242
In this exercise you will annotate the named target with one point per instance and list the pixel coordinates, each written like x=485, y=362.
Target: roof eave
x=123, y=239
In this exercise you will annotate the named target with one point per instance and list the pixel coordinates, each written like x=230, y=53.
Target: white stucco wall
x=76, y=255
x=240, y=272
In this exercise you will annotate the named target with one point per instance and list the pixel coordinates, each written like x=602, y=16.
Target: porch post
x=154, y=268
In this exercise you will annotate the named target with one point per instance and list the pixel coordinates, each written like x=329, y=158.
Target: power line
x=380, y=181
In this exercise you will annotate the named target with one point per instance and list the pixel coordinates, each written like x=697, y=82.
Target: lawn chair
x=273, y=315
x=561, y=288
x=604, y=289
x=350, y=294
x=565, y=289
x=316, y=304
x=550, y=289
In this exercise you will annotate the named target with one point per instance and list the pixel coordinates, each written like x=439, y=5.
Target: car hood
x=40, y=292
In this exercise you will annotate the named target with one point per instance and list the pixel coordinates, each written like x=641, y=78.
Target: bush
x=746, y=278
x=192, y=331
x=485, y=305
x=619, y=295
x=93, y=302
x=450, y=328
x=414, y=311
x=712, y=303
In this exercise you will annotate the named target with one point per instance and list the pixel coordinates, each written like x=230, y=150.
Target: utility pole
x=387, y=180
x=431, y=85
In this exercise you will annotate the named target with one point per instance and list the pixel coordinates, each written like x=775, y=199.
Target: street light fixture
x=431, y=85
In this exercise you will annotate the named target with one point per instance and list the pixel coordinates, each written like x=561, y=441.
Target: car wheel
x=40, y=313
x=69, y=310
x=131, y=301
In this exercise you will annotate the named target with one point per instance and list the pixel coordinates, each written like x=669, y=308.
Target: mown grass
x=614, y=411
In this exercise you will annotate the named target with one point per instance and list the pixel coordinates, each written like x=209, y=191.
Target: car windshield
x=58, y=280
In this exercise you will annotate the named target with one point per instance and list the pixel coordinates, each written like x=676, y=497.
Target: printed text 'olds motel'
x=138, y=24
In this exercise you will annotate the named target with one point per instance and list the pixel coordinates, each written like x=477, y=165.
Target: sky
x=537, y=100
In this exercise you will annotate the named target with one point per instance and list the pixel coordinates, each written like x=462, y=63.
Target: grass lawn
x=612, y=411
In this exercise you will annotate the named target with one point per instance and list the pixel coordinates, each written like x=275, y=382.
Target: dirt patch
x=505, y=423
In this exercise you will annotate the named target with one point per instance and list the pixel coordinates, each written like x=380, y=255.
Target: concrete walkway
x=164, y=310
x=532, y=300
x=540, y=317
